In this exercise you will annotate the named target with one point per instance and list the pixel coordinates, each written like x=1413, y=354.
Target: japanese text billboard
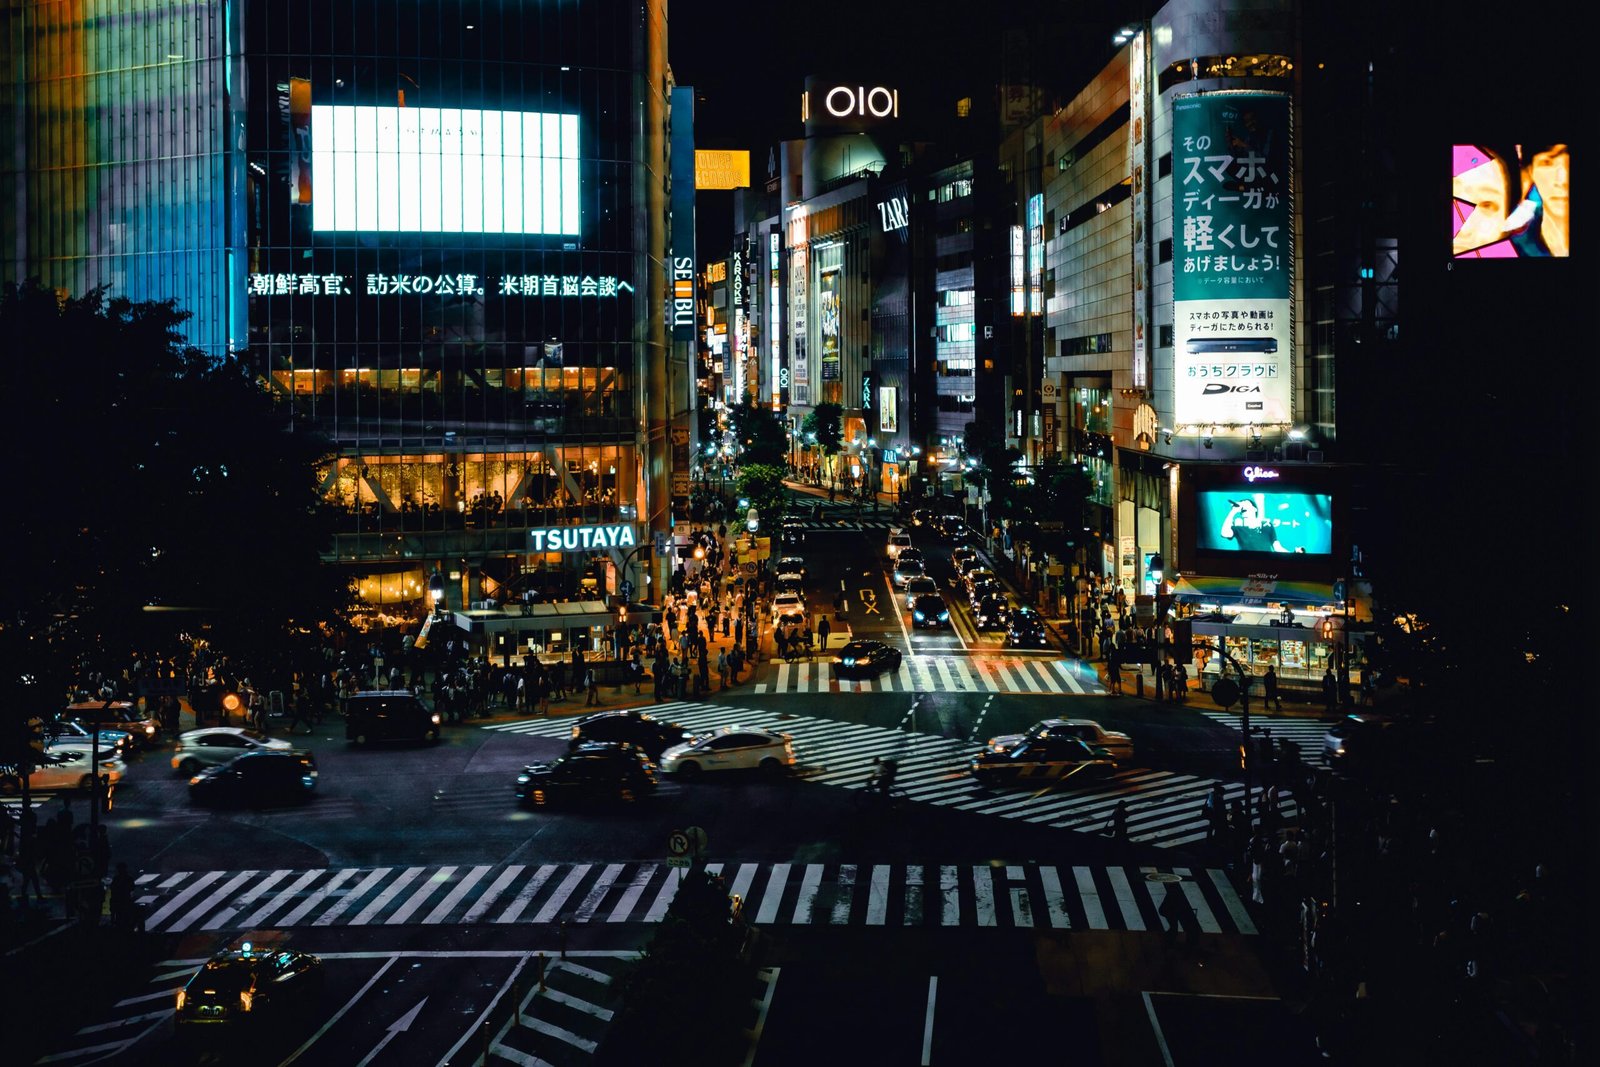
x=1232, y=269
x=1243, y=519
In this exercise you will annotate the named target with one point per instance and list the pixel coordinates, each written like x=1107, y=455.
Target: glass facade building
x=433, y=229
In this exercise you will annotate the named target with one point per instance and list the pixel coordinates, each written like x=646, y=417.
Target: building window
x=1164, y=166
x=1164, y=336
x=1164, y=251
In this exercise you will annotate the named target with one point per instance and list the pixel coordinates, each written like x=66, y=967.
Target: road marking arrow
x=399, y=1026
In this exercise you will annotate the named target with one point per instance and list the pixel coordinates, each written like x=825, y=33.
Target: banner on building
x=828, y=322
x=299, y=140
x=1232, y=267
x=1138, y=153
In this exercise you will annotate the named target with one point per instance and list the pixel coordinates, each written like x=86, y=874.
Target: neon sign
x=1253, y=474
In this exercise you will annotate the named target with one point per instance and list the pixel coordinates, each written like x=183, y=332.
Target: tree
x=1048, y=511
x=825, y=423
x=764, y=487
x=995, y=470
x=167, y=479
x=760, y=435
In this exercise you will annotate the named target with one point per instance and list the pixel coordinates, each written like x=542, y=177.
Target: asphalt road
x=921, y=933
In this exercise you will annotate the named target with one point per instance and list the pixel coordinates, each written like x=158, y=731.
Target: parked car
x=60, y=772
x=257, y=778
x=929, y=611
x=907, y=569
x=216, y=745
x=866, y=659
x=633, y=727
x=730, y=748
x=115, y=715
x=239, y=986
x=921, y=585
x=1118, y=744
x=989, y=612
x=1025, y=629
x=1044, y=758
x=589, y=771
x=389, y=715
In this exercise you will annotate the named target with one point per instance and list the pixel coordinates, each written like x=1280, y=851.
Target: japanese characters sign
x=522, y=285
x=1232, y=266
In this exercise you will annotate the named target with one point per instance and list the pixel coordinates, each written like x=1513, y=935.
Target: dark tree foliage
x=1048, y=511
x=147, y=474
x=691, y=980
x=760, y=435
x=763, y=486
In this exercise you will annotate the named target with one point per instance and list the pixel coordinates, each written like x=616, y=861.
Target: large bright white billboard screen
x=443, y=170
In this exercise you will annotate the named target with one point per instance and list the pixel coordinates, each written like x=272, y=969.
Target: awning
x=560, y=616
x=1254, y=591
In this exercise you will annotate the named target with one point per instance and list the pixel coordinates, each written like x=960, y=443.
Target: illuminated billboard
x=828, y=322
x=1510, y=201
x=443, y=170
x=1246, y=520
x=1232, y=265
x=719, y=169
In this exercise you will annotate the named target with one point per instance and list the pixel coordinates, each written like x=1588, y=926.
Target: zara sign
x=892, y=213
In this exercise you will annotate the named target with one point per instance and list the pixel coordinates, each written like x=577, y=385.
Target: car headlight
x=524, y=779
x=149, y=731
x=848, y=661
x=246, y=1000
x=435, y=718
x=944, y=616
x=918, y=616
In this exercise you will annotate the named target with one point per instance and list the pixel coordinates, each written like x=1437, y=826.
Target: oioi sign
x=583, y=538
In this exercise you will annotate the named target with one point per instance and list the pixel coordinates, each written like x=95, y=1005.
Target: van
x=389, y=715
x=898, y=539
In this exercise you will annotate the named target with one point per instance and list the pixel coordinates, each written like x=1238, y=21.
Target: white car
x=907, y=569
x=219, y=744
x=898, y=539
x=788, y=604
x=1118, y=745
x=63, y=735
x=730, y=748
x=61, y=770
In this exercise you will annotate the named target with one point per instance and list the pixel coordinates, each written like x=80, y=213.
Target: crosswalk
x=982, y=895
x=1164, y=807
x=1306, y=734
x=849, y=522
x=564, y=1016
x=941, y=674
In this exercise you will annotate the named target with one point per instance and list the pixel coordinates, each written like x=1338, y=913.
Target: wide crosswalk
x=940, y=674
x=1306, y=734
x=1164, y=807
x=979, y=895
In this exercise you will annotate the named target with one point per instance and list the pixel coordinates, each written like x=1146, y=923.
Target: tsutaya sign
x=582, y=538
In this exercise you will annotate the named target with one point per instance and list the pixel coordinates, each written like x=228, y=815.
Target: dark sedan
x=928, y=610
x=1041, y=759
x=257, y=778
x=866, y=659
x=989, y=612
x=243, y=985
x=631, y=727
x=593, y=771
x=1025, y=629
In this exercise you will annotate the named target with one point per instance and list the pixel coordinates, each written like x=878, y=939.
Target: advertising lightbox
x=1232, y=268
x=443, y=170
x=1510, y=201
x=1247, y=520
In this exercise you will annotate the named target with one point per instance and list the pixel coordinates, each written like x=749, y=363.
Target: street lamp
x=436, y=590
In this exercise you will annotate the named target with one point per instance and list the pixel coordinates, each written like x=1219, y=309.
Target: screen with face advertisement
x=1246, y=520
x=1510, y=201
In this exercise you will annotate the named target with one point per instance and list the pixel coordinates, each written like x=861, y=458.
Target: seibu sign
x=582, y=538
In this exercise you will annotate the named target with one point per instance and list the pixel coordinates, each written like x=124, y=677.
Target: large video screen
x=1510, y=201
x=1246, y=520
x=443, y=170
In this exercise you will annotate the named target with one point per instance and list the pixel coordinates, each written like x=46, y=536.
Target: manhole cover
x=1163, y=877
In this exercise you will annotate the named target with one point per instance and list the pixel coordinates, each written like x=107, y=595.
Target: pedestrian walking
x=1180, y=682
x=704, y=677
x=591, y=682
x=722, y=667
x=823, y=630
x=1114, y=676
x=1270, y=680
x=1117, y=824
x=1180, y=917
x=1330, y=690
x=1215, y=810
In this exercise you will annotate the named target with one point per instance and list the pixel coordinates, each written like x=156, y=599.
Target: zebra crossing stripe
x=810, y=883
x=184, y=897
x=519, y=903
x=306, y=906
x=1197, y=901
x=878, y=896
x=283, y=897
x=341, y=905
x=913, y=908
x=1131, y=919
x=1021, y=903
x=1055, y=901
x=195, y=913
x=1231, y=901
x=409, y=908
x=602, y=886
x=983, y=896
x=774, y=894
x=635, y=890
x=492, y=894
x=950, y=897
x=455, y=896
x=381, y=901
x=568, y=886
x=844, y=891
x=741, y=882
x=663, y=901
x=1089, y=894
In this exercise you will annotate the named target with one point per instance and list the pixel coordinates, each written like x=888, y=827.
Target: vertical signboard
x=1138, y=151
x=1231, y=281
x=828, y=322
x=1035, y=253
x=680, y=306
x=799, y=278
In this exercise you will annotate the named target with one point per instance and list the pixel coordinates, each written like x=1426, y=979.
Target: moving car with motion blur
x=866, y=659
x=590, y=771
x=257, y=779
x=632, y=727
x=245, y=986
x=115, y=715
x=1118, y=744
x=215, y=745
x=389, y=715
x=1041, y=759
x=730, y=748
x=61, y=772
x=64, y=735
x=929, y=611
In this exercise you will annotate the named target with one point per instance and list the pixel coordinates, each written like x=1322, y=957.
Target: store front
x=547, y=632
x=1297, y=628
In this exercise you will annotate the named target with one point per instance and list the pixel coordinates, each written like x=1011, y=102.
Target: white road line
x=810, y=883
x=878, y=895
x=983, y=895
x=303, y=909
x=381, y=901
x=173, y=880
x=406, y=910
x=492, y=894
x=1231, y=901
x=843, y=894
x=519, y=903
x=741, y=881
x=1131, y=919
x=1043, y=672
x=199, y=910
x=448, y=904
x=927, y=1022
x=602, y=886
x=1089, y=894
x=950, y=897
x=772, y=897
x=183, y=898
x=913, y=909
x=147, y=997
x=100, y=1028
x=1055, y=901
x=314, y=1038
x=342, y=905
x=283, y=897
x=1021, y=899
x=1064, y=669
x=568, y=886
x=1197, y=901
x=783, y=678
x=663, y=901
x=630, y=896
x=943, y=667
